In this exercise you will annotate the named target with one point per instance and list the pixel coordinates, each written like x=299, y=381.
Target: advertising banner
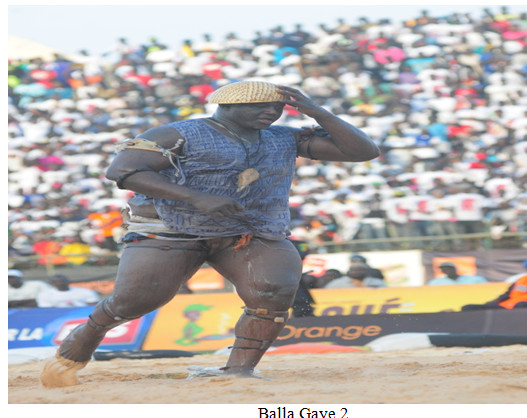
x=494, y=265
x=359, y=330
x=45, y=327
x=195, y=323
x=419, y=299
x=206, y=322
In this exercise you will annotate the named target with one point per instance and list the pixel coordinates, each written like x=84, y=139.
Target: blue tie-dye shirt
x=211, y=163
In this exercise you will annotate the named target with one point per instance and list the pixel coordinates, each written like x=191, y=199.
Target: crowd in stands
x=445, y=97
x=55, y=292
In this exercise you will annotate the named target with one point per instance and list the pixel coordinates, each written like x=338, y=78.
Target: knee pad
x=278, y=299
x=261, y=336
x=262, y=313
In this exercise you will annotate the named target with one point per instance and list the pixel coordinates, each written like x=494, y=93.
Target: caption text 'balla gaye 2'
x=283, y=412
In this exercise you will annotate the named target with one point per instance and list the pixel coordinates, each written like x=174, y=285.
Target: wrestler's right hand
x=216, y=205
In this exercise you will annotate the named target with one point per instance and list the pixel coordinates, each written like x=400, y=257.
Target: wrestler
x=213, y=190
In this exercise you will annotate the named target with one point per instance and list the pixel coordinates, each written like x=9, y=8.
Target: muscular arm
x=344, y=143
x=145, y=166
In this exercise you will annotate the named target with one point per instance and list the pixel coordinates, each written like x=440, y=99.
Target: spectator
x=451, y=276
x=373, y=223
x=443, y=219
x=359, y=274
x=48, y=248
x=320, y=86
x=419, y=216
x=372, y=272
x=62, y=295
x=75, y=250
x=23, y=293
x=357, y=277
x=107, y=221
x=514, y=298
x=303, y=302
x=331, y=275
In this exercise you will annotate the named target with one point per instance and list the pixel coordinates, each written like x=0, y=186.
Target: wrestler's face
x=255, y=115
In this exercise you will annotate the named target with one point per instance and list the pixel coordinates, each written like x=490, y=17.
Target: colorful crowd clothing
x=516, y=294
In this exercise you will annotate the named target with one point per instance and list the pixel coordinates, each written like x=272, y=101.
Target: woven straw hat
x=246, y=92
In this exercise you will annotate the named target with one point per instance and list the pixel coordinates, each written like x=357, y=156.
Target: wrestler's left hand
x=297, y=99
x=216, y=205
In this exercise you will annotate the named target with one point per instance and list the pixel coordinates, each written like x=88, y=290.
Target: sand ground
x=454, y=375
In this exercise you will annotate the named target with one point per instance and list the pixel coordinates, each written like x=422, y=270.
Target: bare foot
x=60, y=372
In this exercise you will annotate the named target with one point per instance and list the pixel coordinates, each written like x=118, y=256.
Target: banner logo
x=123, y=334
x=351, y=332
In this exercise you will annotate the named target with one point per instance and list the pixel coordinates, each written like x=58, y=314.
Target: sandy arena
x=494, y=375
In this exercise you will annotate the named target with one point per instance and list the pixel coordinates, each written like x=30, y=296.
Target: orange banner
x=419, y=299
x=206, y=322
x=195, y=323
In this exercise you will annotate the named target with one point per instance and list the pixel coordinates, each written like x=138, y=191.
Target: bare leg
x=147, y=279
x=266, y=275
